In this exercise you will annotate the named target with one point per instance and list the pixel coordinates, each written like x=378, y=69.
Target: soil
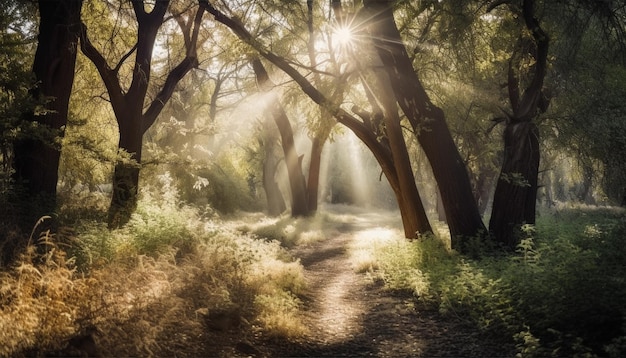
x=349, y=315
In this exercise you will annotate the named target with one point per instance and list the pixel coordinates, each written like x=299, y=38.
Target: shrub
x=562, y=293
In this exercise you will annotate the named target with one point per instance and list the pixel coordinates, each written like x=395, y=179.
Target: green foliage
x=16, y=79
x=562, y=293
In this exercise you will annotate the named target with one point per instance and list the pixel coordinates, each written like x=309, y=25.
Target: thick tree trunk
x=126, y=174
x=297, y=184
x=428, y=122
x=36, y=161
x=515, y=197
x=516, y=191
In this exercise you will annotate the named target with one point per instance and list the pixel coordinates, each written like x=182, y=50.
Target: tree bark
x=126, y=173
x=411, y=201
x=428, y=123
x=516, y=192
x=36, y=160
x=314, y=173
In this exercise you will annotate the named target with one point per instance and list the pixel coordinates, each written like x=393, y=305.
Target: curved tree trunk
x=428, y=123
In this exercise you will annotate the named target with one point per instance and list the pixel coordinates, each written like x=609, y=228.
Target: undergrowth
x=153, y=287
x=563, y=292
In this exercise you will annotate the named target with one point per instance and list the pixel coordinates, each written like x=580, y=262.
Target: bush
x=562, y=293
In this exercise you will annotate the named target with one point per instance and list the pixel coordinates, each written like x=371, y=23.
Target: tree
x=299, y=203
x=413, y=214
x=36, y=157
x=428, y=123
x=515, y=197
x=275, y=201
x=589, y=79
x=132, y=117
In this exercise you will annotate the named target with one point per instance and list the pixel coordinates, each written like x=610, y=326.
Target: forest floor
x=350, y=315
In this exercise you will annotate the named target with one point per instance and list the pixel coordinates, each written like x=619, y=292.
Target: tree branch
x=109, y=77
x=124, y=58
x=187, y=64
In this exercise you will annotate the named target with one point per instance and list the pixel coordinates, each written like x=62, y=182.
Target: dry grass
x=137, y=304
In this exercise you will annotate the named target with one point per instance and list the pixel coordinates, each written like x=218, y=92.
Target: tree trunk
x=411, y=200
x=585, y=192
x=297, y=184
x=484, y=183
x=314, y=173
x=515, y=198
x=414, y=219
x=516, y=192
x=428, y=123
x=36, y=161
x=275, y=201
x=126, y=174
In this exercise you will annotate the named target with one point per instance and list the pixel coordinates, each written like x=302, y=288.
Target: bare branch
x=124, y=58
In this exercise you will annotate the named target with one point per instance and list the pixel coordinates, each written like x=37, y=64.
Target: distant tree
x=129, y=103
x=275, y=110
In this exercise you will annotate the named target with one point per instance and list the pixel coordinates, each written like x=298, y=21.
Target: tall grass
x=563, y=292
x=147, y=287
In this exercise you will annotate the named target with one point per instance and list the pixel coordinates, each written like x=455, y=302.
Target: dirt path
x=349, y=316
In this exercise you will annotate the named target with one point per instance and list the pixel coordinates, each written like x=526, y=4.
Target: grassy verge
x=563, y=293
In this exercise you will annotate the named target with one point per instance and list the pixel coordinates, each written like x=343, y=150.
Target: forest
x=392, y=178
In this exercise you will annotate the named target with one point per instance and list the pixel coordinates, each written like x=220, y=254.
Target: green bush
x=220, y=185
x=562, y=293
